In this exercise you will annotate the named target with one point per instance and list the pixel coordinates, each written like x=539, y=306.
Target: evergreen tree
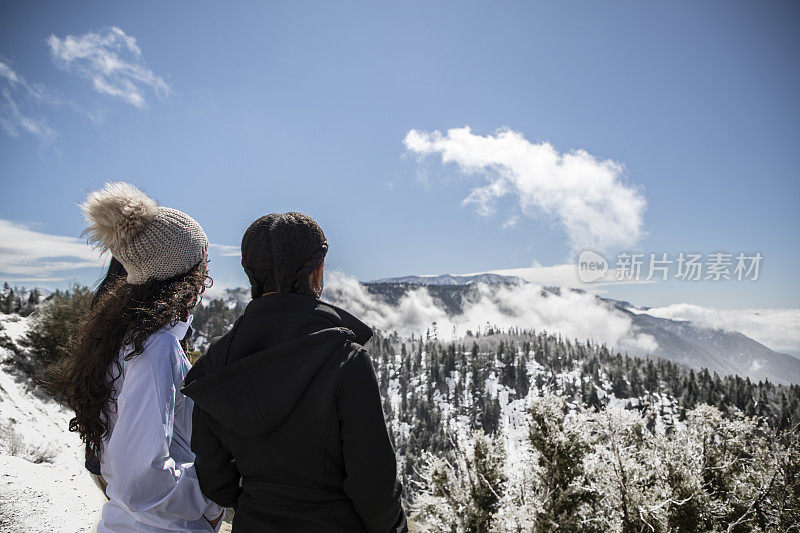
x=48, y=337
x=561, y=448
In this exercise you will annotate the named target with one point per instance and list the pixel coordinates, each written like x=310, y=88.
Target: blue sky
x=232, y=112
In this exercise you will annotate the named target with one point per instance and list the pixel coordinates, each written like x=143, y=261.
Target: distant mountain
x=724, y=352
x=448, y=279
x=23, y=292
x=721, y=351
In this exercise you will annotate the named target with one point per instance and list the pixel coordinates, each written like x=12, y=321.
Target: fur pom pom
x=116, y=213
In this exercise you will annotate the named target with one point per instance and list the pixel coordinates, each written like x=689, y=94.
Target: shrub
x=15, y=445
x=52, y=325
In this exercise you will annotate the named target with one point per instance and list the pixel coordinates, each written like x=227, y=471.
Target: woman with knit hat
x=127, y=363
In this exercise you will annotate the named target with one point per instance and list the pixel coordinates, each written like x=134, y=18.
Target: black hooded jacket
x=288, y=427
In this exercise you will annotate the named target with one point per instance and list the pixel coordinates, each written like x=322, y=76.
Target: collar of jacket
x=180, y=328
x=286, y=302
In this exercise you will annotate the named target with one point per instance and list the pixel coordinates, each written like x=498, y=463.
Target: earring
x=317, y=291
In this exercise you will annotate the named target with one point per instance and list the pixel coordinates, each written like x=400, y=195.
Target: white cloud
x=583, y=194
x=778, y=329
x=511, y=222
x=8, y=73
x=226, y=250
x=27, y=255
x=112, y=61
x=16, y=108
x=573, y=314
x=30, y=255
x=564, y=275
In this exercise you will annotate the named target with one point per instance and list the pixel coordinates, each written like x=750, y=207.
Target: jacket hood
x=253, y=394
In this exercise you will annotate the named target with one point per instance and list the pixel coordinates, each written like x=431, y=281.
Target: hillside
x=533, y=396
x=44, y=487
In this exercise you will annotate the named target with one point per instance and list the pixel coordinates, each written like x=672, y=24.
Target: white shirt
x=146, y=460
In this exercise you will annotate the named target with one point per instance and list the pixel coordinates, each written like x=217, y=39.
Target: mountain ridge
x=719, y=350
x=450, y=279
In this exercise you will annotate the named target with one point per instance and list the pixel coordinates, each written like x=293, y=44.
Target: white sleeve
x=146, y=478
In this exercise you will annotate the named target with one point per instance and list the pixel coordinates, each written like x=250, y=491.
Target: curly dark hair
x=280, y=251
x=122, y=315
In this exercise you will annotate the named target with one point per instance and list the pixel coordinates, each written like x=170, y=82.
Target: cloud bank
x=571, y=314
x=585, y=195
x=778, y=329
x=112, y=61
x=30, y=255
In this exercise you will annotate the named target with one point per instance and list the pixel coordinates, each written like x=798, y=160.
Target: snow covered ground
x=46, y=497
x=43, y=486
x=27, y=415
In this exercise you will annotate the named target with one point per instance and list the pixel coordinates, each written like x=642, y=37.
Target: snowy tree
x=462, y=495
x=560, y=442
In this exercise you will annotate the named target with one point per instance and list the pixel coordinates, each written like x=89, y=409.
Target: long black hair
x=114, y=273
x=280, y=251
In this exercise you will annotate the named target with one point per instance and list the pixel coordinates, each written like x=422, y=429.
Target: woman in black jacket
x=288, y=427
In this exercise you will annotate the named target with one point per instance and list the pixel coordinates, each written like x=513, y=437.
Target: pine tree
x=52, y=327
x=561, y=448
x=463, y=495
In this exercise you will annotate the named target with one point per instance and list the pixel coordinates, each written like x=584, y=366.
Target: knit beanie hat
x=150, y=241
